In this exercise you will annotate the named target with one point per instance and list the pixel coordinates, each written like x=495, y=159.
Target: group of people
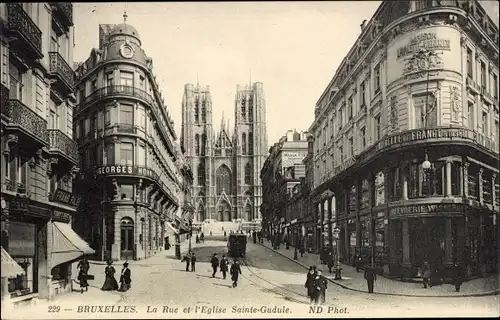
x=110, y=283
x=430, y=277
x=200, y=238
x=316, y=285
x=223, y=264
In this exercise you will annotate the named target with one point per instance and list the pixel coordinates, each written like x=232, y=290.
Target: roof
x=125, y=29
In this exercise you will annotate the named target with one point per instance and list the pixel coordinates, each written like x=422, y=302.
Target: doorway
x=127, y=239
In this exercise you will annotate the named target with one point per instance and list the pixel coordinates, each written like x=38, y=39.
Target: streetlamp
x=336, y=234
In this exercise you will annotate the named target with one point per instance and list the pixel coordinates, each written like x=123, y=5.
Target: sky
x=293, y=48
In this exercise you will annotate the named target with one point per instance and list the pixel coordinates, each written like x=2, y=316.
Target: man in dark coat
x=311, y=274
x=319, y=286
x=330, y=261
x=358, y=261
x=224, y=266
x=215, y=263
x=458, y=276
x=370, y=277
x=193, y=262
x=187, y=259
x=426, y=274
x=235, y=272
x=125, y=278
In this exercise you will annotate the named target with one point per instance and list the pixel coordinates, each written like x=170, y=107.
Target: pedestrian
x=302, y=251
x=310, y=276
x=458, y=276
x=210, y=233
x=215, y=263
x=224, y=266
x=319, y=285
x=370, y=277
x=235, y=272
x=187, y=259
x=83, y=266
x=426, y=274
x=197, y=239
x=110, y=283
x=193, y=262
x=358, y=261
x=225, y=234
x=125, y=278
x=330, y=262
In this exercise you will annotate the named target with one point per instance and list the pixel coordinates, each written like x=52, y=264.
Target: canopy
x=10, y=268
x=67, y=245
x=171, y=228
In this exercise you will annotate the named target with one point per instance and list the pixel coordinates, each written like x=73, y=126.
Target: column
x=406, y=244
x=347, y=235
x=330, y=214
x=480, y=182
x=347, y=245
x=358, y=222
x=448, y=244
x=448, y=178
x=404, y=181
x=493, y=193
x=461, y=182
x=481, y=244
x=321, y=223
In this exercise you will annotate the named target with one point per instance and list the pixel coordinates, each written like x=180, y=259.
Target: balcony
x=25, y=36
x=63, y=146
x=118, y=91
x=63, y=12
x=486, y=95
x=473, y=86
x=62, y=72
x=23, y=119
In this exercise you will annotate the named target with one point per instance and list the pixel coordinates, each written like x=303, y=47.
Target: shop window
x=395, y=182
x=127, y=192
x=487, y=190
x=22, y=249
x=365, y=194
x=472, y=180
x=455, y=178
x=379, y=188
x=60, y=272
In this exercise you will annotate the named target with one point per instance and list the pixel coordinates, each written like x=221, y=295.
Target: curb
x=478, y=294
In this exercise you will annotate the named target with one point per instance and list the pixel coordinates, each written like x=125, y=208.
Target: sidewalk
x=355, y=281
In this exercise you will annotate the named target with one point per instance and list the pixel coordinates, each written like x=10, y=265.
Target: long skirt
x=110, y=284
x=124, y=286
x=82, y=277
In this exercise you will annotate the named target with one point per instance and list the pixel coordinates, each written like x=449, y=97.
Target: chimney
x=363, y=25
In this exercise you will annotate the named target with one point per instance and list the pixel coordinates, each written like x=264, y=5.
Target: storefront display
x=21, y=248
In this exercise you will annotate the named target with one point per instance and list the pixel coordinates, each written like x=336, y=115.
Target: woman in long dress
x=84, y=267
x=110, y=282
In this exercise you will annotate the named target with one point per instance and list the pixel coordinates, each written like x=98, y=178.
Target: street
x=161, y=286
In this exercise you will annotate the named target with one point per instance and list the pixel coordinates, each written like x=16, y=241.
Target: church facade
x=226, y=161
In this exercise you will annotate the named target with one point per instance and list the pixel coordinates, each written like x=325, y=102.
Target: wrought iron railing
x=20, y=22
x=60, y=141
x=61, y=68
x=27, y=119
x=64, y=10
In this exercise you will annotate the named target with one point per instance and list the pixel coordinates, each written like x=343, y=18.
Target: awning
x=171, y=228
x=67, y=245
x=10, y=268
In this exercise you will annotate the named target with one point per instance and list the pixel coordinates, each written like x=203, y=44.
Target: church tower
x=197, y=142
x=251, y=137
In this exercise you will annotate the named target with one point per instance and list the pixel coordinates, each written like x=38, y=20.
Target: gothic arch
x=197, y=144
x=201, y=174
x=224, y=211
x=247, y=214
x=201, y=213
x=223, y=179
x=250, y=143
x=243, y=143
x=248, y=174
x=203, y=144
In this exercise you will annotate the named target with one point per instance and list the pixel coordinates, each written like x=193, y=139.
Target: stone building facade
x=406, y=141
x=225, y=165
x=39, y=155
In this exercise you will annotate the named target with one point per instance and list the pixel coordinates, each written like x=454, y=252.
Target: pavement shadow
x=222, y=285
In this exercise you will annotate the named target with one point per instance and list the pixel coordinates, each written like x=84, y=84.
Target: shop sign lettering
x=424, y=41
x=126, y=170
x=427, y=208
x=62, y=216
x=65, y=197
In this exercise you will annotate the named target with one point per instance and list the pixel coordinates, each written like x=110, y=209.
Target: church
x=225, y=161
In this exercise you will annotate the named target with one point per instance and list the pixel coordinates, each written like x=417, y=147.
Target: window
x=469, y=63
x=377, y=128
x=22, y=172
x=203, y=143
x=21, y=248
x=127, y=192
x=248, y=174
x=497, y=128
x=483, y=75
x=250, y=143
x=127, y=114
x=110, y=154
x=107, y=116
x=109, y=79
x=54, y=42
x=203, y=111
x=425, y=112
x=60, y=272
x=196, y=110
x=362, y=89
x=363, y=137
x=341, y=117
x=223, y=180
x=341, y=152
x=470, y=116
x=197, y=144
x=243, y=110
x=141, y=155
x=52, y=120
x=244, y=143
x=495, y=86
x=201, y=174
x=377, y=78
x=142, y=117
x=127, y=78
x=250, y=110
x=126, y=154
x=93, y=86
x=485, y=123
x=350, y=107
x=422, y=183
x=455, y=178
x=422, y=4
x=351, y=146
x=16, y=82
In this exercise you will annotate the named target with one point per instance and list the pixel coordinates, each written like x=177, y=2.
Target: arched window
x=223, y=179
x=203, y=144
x=244, y=143
x=250, y=110
x=250, y=143
x=248, y=174
x=201, y=213
x=197, y=144
x=201, y=174
x=243, y=110
x=248, y=213
x=196, y=110
x=203, y=111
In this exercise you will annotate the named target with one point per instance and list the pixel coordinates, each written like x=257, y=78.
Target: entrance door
x=127, y=239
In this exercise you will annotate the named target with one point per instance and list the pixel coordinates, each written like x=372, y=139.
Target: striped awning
x=10, y=268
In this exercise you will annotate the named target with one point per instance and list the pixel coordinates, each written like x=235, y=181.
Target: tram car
x=237, y=245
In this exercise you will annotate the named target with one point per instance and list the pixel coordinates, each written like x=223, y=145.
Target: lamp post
x=336, y=233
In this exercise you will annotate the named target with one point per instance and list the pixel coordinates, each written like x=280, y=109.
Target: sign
x=424, y=41
x=427, y=209
x=61, y=216
x=65, y=197
x=126, y=170
x=19, y=204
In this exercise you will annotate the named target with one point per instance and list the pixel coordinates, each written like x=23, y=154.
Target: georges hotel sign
x=126, y=170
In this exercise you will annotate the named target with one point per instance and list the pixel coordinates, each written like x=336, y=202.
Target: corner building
x=406, y=141
x=226, y=166
x=126, y=146
x=39, y=155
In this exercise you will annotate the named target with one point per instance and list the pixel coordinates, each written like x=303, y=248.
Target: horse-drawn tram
x=237, y=245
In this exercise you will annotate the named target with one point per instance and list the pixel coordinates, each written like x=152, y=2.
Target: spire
x=222, y=122
x=125, y=16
